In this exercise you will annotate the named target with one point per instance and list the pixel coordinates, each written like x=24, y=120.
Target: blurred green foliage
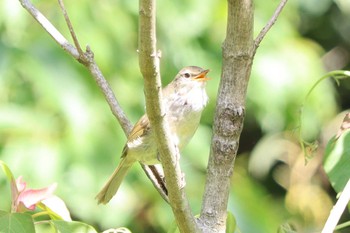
x=55, y=125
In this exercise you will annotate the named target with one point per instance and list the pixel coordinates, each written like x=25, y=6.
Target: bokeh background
x=55, y=125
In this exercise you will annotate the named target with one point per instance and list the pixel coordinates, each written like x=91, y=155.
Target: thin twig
x=49, y=28
x=87, y=59
x=337, y=210
x=91, y=64
x=156, y=175
x=269, y=24
x=106, y=90
x=70, y=26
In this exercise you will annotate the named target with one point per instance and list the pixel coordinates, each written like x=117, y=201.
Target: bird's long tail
x=113, y=183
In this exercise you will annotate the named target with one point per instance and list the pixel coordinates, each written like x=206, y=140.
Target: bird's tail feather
x=113, y=183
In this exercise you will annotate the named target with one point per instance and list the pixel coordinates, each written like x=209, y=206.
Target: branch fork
x=213, y=213
x=87, y=59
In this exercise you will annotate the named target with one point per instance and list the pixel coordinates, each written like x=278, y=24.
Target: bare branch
x=49, y=28
x=338, y=209
x=149, y=66
x=70, y=27
x=107, y=91
x=156, y=175
x=87, y=59
x=269, y=24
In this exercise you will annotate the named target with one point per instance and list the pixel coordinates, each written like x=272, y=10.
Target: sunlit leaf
x=56, y=208
x=337, y=161
x=72, y=227
x=11, y=179
x=7, y=171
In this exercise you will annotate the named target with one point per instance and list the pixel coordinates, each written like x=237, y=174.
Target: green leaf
x=7, y=171
x=337, y=161
x=72, y=227
x=16, y=223
x=230, y=223
x=2, y=213
x=10, y=177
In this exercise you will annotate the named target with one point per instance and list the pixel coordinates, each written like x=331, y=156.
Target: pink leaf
x=26, y=199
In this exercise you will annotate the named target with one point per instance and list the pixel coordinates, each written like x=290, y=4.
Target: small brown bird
x=184, y=99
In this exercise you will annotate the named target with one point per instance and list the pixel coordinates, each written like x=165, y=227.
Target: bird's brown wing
x=140, y=129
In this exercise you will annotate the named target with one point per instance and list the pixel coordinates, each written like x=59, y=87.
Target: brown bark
x=237, y=52
x=149, y=66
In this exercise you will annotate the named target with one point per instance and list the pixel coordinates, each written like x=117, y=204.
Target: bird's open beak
x=202, y=76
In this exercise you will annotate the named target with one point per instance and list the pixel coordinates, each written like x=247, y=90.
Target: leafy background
x=56, y=127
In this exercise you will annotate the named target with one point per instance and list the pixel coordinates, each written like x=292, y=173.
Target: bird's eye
x=187, y=75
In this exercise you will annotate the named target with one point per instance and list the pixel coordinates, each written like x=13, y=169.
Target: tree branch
x=149, y=66
x=106, y=89
x=87, y=59
x=237, y=51
x=70, y=27
x=49, y=28
x=269, y=24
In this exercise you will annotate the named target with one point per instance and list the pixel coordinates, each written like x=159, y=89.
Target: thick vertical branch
x=149, y=66
x=237, y=51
